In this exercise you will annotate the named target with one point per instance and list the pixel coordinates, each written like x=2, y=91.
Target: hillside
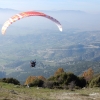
x=9, y=91
x=51, y=50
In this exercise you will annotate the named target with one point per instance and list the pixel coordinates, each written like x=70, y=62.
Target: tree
x=41, y=78
x=88, y=75
x=31, y=79
x=59, y=71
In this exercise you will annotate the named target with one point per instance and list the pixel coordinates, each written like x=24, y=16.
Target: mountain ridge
x=9, y=9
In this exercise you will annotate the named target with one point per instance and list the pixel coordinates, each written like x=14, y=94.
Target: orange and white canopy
x=27, y=14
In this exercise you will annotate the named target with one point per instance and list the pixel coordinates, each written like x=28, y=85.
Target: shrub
x=30, y=79
x=48, y=84
x=37, y=82
x=11, y=80
x=64, y=79
x=52, y=78
x=71, y=85
x=71, y=77
x=82, y=82
x=95, y=82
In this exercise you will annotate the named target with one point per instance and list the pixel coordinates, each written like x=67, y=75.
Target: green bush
x=82, y=82
x=95, y=82
x=49, y=84
x=11, y=80
x=64, y=79
x=37, y=82
x=52, y=78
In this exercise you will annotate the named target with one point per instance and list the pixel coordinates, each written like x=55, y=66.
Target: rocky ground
x=7, y=94
x=76, y=96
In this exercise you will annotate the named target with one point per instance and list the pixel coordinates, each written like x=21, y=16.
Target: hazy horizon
x=69, y=19
x=89, y=6
x=82, y=15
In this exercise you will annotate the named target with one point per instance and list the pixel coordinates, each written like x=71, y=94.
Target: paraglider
x=33, y=63
x=28, y=14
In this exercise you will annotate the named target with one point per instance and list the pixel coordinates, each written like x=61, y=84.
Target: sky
x=92, y=6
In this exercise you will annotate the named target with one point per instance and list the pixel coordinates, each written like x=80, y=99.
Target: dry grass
x=11, y=92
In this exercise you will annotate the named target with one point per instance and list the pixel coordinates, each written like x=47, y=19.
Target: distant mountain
x=63, y=11
x=72, y=11
x=68, y=11
x=73, y=51
x=4, y=10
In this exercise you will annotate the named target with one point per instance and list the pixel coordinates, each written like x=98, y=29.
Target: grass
x=34, y=93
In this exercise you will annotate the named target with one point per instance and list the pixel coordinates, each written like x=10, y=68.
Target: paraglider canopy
x=28, y=14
